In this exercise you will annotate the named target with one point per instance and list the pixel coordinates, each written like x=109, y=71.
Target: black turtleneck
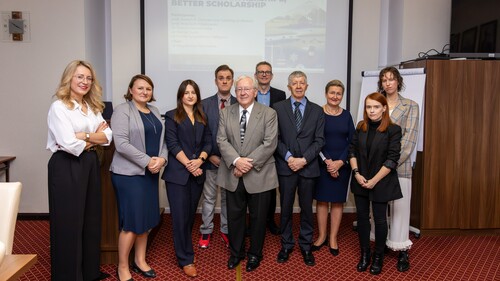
x=372, y=129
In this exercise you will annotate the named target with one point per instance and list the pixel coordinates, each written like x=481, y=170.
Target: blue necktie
x=298, y=115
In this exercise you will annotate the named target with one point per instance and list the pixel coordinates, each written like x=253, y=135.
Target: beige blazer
x=259, y=144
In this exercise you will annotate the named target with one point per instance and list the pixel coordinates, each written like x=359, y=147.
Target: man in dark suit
x=247, y=139
x=268, y=95
x=301, y=123
x=212, y=106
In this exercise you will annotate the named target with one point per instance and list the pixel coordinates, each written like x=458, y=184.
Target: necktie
x=222, y=103
x=298, y=115
x=243, y=125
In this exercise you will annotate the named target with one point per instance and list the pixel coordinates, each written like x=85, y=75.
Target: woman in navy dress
x=189, y=141
x=140, y=154
x=331, y=188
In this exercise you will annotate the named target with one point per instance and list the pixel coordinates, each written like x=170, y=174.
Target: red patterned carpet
x=431, y=257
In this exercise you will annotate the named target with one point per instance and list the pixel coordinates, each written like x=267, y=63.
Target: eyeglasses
x=82, y=78
x=264, y=72
x=246, y=90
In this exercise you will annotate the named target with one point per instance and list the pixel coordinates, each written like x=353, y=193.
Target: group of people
x=248, y=146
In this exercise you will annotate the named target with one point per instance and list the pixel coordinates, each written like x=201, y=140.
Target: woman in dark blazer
x=373, y=154
x=189, y=141
x=140, y=154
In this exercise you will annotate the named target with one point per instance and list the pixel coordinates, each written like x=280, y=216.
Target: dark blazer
x=276, y=95
x=259, y=144
x=385, y=151
x=211, y=109
x=192, y=139
x=307, y=142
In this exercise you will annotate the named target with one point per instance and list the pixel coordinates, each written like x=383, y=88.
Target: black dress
x=138, y=199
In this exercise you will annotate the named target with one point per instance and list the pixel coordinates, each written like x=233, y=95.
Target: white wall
x=30, y=72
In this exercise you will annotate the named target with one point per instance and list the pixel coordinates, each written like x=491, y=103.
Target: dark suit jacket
x=307, y=142
x=276, y=95
x=384, y=151
x=259, y=144
x=211, y=109
x=192, y=139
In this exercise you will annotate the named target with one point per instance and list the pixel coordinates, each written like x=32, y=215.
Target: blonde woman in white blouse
x=76, y=127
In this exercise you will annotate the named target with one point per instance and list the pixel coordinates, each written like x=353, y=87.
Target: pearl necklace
x=327, y=110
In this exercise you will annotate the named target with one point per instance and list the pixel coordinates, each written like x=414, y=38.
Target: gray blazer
x=130, y=156
x=260, y=142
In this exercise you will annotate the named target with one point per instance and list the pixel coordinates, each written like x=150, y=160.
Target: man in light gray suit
x=247, y=138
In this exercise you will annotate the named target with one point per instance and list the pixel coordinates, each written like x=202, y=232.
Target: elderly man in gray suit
x=247, y=138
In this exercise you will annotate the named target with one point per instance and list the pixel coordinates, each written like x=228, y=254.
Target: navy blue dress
x=138, y=199
x=338, y=134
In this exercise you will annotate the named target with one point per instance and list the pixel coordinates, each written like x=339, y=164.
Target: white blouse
x=64, y=123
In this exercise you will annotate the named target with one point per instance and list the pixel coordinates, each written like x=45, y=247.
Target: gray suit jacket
x=130, y=156
x=260, y=142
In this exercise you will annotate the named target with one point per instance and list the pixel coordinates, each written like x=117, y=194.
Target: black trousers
x=237, y=203
x=272, y=206
x=75, y=216
x=304, y=187
x=379, y=210
x=183, y=201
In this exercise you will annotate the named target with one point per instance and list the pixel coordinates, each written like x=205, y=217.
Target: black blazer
x=276, y=95
x=192, y=139
x=211, y=109
x=385, y=151
x=307, y=142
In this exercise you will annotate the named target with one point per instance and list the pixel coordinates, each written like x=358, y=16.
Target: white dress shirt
x=64, y=123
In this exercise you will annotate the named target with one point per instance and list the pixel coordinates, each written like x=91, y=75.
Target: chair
x=10, y=194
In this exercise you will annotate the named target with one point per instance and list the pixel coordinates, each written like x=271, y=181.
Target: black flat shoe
x=315, y=248
x=334, y=252
x=149, y=274
x=233, y=262
x=252, y=263
x=283, y=255
x=308, y=258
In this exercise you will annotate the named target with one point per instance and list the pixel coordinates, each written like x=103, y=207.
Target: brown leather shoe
x=190, y=270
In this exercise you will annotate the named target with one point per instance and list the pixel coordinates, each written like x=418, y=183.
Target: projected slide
x=288, y=33
x=187, y=39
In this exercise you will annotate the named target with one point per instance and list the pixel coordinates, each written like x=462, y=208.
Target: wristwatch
x=87, y=137
x=202, y=158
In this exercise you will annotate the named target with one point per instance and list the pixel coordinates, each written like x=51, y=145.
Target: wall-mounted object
x=15, y=26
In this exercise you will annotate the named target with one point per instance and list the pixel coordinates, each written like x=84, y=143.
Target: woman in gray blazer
x=140, y=154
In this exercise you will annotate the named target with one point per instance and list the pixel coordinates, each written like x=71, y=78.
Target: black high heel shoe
x=334, y=252
x=317, y=248
x=118, y=276
x=150, y=273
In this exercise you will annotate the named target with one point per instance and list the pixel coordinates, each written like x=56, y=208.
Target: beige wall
x=29, y=72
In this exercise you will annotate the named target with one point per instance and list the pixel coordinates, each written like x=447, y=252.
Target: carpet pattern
x=431, y=257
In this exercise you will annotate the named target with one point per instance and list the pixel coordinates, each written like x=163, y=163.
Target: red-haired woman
x=373, y=154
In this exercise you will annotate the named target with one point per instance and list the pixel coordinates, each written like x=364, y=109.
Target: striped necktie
x=297, y=114
x=243, y=125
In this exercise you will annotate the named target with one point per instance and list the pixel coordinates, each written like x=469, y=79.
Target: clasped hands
x=193, y=166
x=333, y=167
x=155, y=164
x=368, y=184
x=242, y=166
x=296, y=164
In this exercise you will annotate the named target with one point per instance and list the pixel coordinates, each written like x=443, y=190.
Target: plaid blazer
x=406, y=115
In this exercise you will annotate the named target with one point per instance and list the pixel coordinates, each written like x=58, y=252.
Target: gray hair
x=296, y=74
x=254, y=82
